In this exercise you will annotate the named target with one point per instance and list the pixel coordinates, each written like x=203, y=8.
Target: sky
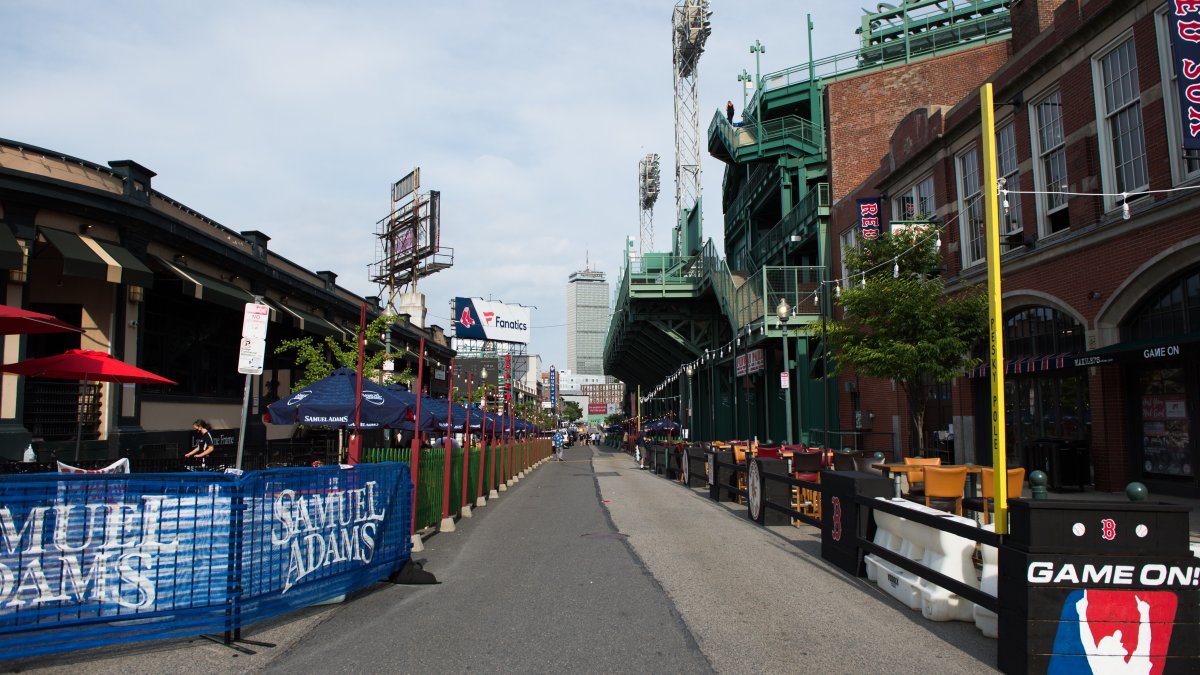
x=294, y=119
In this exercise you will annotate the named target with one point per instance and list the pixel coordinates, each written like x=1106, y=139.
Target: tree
x=903, y=326
x=571, y=411
x=319, y=360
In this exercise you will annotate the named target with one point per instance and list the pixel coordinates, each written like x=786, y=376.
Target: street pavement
x=591, y=565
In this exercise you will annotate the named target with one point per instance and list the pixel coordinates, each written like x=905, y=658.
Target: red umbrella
x=14, y=321
x=84, y=365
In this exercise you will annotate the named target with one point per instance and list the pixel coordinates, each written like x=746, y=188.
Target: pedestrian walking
x=202, y=442
x=558, y=445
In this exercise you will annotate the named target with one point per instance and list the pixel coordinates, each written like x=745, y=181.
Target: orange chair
x=741, y=450
x=987, y=489
x=915, y=474
x=945, y=483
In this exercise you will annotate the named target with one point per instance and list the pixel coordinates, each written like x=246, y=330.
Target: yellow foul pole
x=991, y=224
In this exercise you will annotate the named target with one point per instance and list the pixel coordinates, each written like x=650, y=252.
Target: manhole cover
x=607, y=474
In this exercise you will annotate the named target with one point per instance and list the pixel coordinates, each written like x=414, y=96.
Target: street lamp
x=784, y=312
x=757, y=50
x=744, y=78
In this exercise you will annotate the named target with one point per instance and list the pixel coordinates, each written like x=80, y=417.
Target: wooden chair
x=945, y=483
x=984, y=502
x=741, y=450
x=843, y=461
x=915, y=475
x=807, y=466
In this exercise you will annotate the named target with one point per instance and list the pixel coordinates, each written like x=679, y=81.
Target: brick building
x=1101, y=256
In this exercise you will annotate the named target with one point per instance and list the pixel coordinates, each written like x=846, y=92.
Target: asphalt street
x=591, y=565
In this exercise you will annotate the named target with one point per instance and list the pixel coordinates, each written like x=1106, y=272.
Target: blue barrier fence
x=95, y=559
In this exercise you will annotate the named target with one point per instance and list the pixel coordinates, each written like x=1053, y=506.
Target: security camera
x=133, y=324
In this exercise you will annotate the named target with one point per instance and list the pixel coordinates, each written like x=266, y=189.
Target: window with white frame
x=1006, y=163
x=1119, y=111
x=1050, y=167
x=970, y=206
x=849, y=240
x=916, y=202
x=1185, y=163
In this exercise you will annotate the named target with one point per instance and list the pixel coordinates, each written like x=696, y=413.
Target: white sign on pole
x=254, y=321
x=250, y=356
x=784, y=380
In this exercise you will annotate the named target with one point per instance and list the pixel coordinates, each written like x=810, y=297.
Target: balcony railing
x=803, y=213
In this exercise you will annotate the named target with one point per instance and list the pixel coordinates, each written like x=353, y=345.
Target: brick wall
x=1031, y=17
x=863, y=111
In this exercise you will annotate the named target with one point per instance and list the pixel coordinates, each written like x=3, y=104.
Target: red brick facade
x=1101, y=270
x=863, y=110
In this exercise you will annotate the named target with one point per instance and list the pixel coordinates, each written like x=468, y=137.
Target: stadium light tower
x=648, y=188
x=690, y=29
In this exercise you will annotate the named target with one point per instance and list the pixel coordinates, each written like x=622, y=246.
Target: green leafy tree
x=902, y=325
x=571, y=411
x=615, y=418
x=319, y=359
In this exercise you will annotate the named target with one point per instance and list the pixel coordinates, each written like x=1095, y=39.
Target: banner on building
x=868, y=217
x=750, y=362
x=1185, y=42
x=479, y=319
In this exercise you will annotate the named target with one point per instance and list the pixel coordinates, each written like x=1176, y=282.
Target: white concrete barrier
x=989, y=582
x=938, y=550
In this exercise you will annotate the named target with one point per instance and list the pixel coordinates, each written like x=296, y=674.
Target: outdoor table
x=895, y=469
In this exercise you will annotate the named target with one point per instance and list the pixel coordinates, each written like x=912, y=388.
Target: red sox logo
x=466, y=319
x=1108, y=529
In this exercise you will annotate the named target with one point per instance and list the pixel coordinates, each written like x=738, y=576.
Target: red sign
x=750, y=362
x=597, y=408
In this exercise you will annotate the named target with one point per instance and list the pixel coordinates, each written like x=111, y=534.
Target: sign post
x=252, y=349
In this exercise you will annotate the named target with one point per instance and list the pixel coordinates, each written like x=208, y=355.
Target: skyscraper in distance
x=587, y=321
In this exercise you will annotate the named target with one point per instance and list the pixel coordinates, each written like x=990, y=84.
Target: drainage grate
x=607, y=474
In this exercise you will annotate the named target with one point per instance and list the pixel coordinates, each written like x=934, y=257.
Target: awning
x=91, y=258
x=1141, y=351
x=203, y=287
x=10, y=250
x=1027, y=364
x=311, y=323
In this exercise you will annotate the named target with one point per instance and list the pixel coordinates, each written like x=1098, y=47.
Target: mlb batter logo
x=1113, y=632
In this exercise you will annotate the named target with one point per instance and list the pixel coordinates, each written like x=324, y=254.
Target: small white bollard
x=417, y=546
x=465, y=511
x=480, y=502
x=447, y=525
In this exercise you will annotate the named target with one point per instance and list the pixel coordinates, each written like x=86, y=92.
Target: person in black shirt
x=202, y=440
x=729, y=111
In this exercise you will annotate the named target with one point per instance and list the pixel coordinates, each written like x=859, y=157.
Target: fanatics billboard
x=479, y=319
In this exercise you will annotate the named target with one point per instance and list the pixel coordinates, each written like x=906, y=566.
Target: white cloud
x=295, y=117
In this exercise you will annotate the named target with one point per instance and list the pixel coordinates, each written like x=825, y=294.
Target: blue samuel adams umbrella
x=330, y=402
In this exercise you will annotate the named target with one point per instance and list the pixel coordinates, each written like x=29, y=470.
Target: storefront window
x=1166, y=444
x=1046, y=399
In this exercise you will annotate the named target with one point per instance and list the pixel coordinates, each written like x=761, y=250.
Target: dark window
x=192, y=342
x=1174, y=311
x=1043, y=401
x=1041, y=331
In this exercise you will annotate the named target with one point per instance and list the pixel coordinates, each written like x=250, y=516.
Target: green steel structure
x=694, y=307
